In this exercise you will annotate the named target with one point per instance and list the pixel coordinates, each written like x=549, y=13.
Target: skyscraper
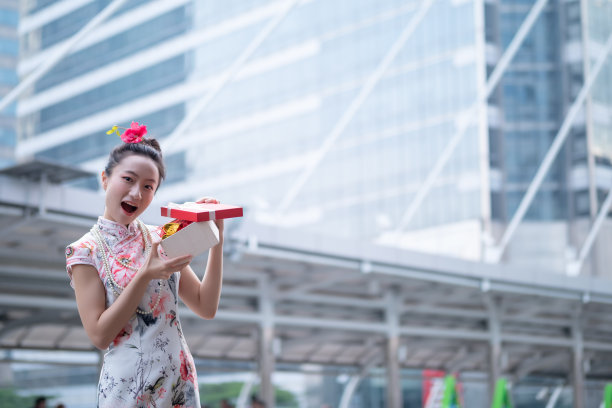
x=327, y=116
x=9, y=50
x=537, y=95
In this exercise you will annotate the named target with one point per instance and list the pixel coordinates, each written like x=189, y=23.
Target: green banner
x=608, y=396
x=501, y=398
x=450, y=399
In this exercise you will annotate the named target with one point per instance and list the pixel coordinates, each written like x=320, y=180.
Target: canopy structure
x=291, y=297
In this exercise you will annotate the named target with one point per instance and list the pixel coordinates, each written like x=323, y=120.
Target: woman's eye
x=126, y=178
x=149, y=187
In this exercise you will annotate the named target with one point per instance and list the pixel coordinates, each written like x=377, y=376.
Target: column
x=394, y=388
x=495, y=348
x=266, y=344
x=577, y=361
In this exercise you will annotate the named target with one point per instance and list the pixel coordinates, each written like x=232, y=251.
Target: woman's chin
x=125, y=217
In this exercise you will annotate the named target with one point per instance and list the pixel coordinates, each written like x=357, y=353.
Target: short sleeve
x=79, y=253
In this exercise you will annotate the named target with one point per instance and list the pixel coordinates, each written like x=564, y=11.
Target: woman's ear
x=104, y=180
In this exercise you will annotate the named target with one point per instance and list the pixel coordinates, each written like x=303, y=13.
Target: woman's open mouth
x=128, y=208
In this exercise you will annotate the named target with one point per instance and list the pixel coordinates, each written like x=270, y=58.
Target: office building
x=334, y=114
x=9, y=50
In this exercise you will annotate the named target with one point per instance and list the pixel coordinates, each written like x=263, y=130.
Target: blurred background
x=425, y=183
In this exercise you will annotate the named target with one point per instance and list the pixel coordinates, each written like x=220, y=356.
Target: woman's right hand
x=157, y=268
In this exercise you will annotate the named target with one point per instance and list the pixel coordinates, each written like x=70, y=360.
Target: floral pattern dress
x=148, y=364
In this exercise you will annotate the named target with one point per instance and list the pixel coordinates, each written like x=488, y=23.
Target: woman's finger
x=179, y=258
x=208, y=200
x=179, y=263
x=219, y=224
x=154, y=249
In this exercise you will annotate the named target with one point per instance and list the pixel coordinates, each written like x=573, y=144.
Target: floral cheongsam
x=148, y=364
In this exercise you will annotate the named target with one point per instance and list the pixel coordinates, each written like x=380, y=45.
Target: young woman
x=127, y=294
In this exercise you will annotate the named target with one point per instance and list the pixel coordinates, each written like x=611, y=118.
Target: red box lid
x=199, y=212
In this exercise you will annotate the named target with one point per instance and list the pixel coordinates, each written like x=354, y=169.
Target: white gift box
x=193, y=240
x=202, y=233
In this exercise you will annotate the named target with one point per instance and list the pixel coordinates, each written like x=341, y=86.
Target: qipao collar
x=115, y=229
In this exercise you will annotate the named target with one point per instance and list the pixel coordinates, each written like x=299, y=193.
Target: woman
x=127, y=294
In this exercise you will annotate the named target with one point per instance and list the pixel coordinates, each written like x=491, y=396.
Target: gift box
x=199, y=212
x=197, y=231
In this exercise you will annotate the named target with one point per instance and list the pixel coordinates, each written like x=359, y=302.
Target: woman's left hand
x=219, y=223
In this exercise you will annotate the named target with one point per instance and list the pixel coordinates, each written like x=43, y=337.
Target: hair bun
x=151, y=142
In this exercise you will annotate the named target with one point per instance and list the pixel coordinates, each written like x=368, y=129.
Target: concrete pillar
x=495, y=347
x=266, y=343
x=6, y=375
x=577, y=362
x=266, y=365
x=394, y=388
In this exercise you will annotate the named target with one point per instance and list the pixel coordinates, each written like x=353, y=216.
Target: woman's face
x=130, y=188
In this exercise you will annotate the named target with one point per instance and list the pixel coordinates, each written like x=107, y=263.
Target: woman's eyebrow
x=136, y=175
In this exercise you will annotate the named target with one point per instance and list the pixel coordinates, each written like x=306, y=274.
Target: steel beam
x=41, y=302
x=472, y=276
x=469, y=360
x=245, y=391
x=360, y=303
x=460, y=355
x=43, y=317
x=574, y=268
x=445, y=311
x=539, y=361
x=351, y=385
x=554, y=397
x=301, y=288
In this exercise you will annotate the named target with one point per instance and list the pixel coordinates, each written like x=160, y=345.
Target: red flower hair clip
x=134, y=134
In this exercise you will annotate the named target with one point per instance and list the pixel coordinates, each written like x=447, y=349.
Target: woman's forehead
x=141, y=166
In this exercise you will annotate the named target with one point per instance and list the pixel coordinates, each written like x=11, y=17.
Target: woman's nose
x=136, y=191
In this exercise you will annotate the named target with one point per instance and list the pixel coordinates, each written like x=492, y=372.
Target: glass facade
x=298, y=101
x=9, y=47
x=387, y=147
x=536, y=96
x=531, y=98
x=598, y=18
x=302, y=89
x=255, y=138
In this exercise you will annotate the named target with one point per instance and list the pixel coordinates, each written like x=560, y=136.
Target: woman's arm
x=202, y=297
x=101, y=324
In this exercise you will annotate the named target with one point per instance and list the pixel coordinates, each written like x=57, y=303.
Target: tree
x=212, y=394
x=10, y=399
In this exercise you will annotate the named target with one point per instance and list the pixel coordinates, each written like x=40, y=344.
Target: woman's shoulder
x=84, y=246
x=81, y=252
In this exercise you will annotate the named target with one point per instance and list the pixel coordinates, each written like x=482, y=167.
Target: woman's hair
x=147, y=147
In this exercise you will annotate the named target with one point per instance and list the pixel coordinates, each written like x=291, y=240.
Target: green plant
x=212, y=394
x=10, y=399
